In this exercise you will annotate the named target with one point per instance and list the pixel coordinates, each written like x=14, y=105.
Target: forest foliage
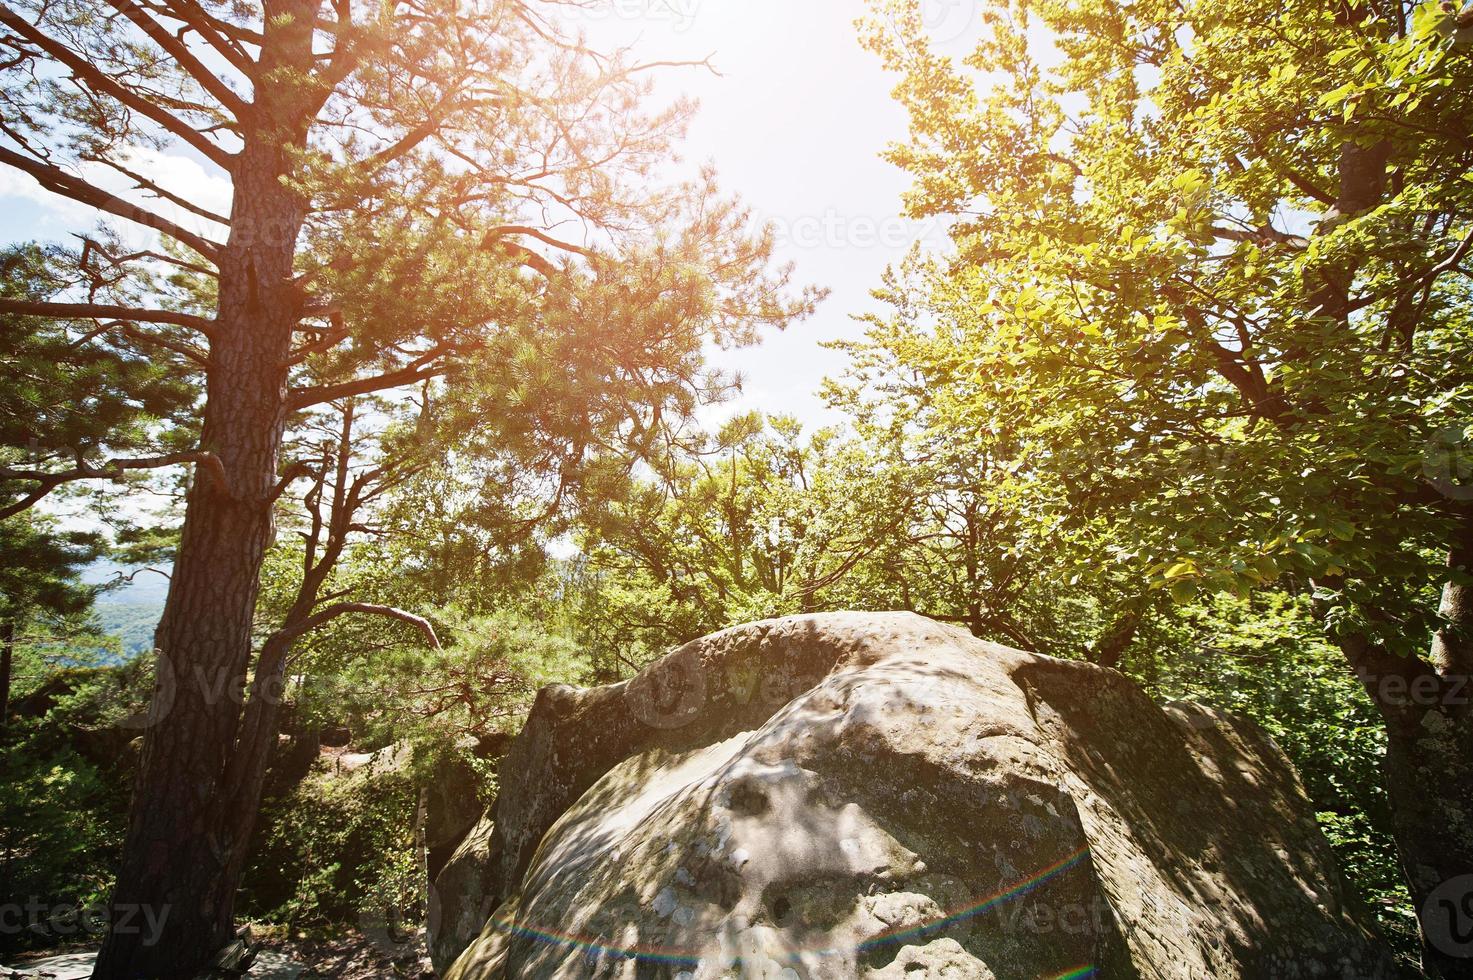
x=1187, y=396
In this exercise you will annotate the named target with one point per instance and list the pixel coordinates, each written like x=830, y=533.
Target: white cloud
x=176, y=173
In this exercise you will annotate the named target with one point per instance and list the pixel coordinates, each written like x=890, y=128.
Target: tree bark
x=1119, y=636
x=7, y=656
x=1429, y=776
x=1429, y=764
x=1427, y=705
x=177, y=856
x=1423, y=701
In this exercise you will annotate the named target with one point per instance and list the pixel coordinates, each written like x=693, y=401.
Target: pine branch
x=93, y=78
x=186, y=351
x=422, y=368
x=307, y=397
x=506, y=231
x=223, y=37
x=425, y=627
x=121, y=260
x=113, y=469
x=144, y=184
x=185, y=58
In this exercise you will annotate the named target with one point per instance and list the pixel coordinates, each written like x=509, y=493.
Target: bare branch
x=144, y=184
x=180, y=52
x=186, y=351
x=1455, y=259
x=1261, y=236
x=328, y=340
x=224, y=37
x=428, y=365
x=506, y=231
x=58, y=181
x=113, y=469
x=290, y=475
x=425, y=627
x=413, y=137
x=80, y=311
x=1304, y=184
x=531, y=259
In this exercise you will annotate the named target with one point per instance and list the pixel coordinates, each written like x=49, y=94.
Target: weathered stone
x=460, y=900
x=877, y=795
x=451, y=811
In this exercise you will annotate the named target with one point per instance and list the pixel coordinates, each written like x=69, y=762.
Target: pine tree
x=419, y=189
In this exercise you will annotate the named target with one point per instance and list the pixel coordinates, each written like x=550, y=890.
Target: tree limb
x=531, y=259
x=186, y=351
x=224, y=37
x=421, y=369
x=425, y=627
x=144, y=184
x=80, y=311
x=58, y=181
x=120, y=260
x=1453, y=260
x=328, y=340
x=1303, y=183
x=507, y=231
x=1261, y=236
x=113, y=469
x=290, y=475
x=180, y=52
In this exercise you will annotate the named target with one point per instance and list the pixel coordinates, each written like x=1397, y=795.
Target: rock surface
x=267, y=965
x=461, y=900
x=882, y=796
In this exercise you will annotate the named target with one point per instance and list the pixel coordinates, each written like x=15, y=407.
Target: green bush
x=67, y=773
x=338, y=849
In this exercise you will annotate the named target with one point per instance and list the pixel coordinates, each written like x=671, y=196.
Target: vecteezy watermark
x=70, y=920
x=949, y=20
x=669, y=693
x=1447, y=917
x=679, y=14
x=1447, y=462
x=1419, y=691
x=1093, y=918
x=834, y=230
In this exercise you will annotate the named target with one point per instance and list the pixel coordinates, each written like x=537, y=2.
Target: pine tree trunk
x=177, y=845
x=7, y=656
x=179, y=857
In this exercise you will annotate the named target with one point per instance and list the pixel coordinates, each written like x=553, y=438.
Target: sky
x=795, y=124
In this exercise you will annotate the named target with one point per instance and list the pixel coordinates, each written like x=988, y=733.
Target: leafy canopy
x=1210, y=279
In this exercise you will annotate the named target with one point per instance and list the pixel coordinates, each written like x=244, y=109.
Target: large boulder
x=879, y=795
x=461, y=900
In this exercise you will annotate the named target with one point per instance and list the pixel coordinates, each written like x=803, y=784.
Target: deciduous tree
x=1212, y=276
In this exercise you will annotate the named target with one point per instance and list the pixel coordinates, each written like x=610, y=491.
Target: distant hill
x=132, y=623
x=132, y=610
